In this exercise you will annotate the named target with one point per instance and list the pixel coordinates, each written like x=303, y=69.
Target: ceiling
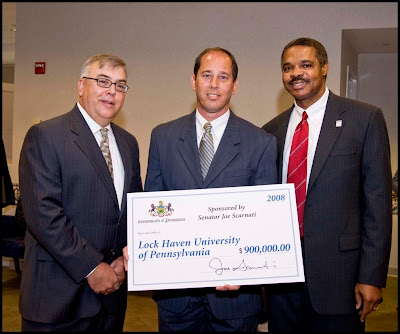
x=372, y=41
x=364, y=41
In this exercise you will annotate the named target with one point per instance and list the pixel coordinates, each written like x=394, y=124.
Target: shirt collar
x=313, y=111
x=94, y=127
x=218, y=125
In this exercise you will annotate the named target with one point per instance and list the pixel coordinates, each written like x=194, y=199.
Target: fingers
x=228, y=287
x=368, y=307
x=108, y=278
x=103, y=279
x=126, y=257
x=113, y=289
x=358, y=300
x=118, y=266
x=125, y=253
x=368, y=297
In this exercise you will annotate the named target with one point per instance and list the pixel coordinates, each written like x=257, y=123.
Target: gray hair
x=103, y=60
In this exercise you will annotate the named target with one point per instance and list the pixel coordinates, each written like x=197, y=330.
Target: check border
x=159, y=284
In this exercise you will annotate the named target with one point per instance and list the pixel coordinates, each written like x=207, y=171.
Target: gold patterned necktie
x=105, y=149
x=206, y=150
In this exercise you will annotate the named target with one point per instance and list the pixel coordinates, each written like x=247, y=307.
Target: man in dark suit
x=241, y=155
x=347, y=210
x=75, y=171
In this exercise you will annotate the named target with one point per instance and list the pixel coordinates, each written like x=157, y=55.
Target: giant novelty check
x=212, y=237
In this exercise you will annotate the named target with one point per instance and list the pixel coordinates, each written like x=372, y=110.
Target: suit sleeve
x=377, y=202
x=41, y=194
x=267, y=169
x=154, y=177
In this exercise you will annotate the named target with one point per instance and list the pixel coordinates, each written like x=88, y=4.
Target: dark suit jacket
x=73, y=217
x=347, y=217
x=246, y=156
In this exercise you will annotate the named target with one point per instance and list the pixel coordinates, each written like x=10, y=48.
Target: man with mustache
x=336, y=152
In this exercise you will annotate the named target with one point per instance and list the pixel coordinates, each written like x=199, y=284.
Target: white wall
x=159, y=42
x=378, y=85
x=349, y=58
x=7, y=118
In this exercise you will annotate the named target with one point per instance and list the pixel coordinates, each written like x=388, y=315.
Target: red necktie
x=297, y=169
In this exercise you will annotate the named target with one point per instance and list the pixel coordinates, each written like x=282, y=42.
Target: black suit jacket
x=347, y=217
x=73, y=217
x=245, y=156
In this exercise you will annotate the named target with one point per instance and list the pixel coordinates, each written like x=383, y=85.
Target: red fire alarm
x=40, y=67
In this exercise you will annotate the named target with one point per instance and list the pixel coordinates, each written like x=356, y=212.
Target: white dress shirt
x=217, y=130
x=118, y=167
x=315, y=118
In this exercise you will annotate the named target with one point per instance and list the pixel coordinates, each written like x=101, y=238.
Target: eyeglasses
x=106, y=83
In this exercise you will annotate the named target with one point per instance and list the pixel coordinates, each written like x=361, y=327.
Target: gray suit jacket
x=246, y=156
x=73, y=217
x=347, y=217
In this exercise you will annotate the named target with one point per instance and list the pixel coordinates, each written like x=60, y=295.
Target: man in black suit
x=346, y=214
x=241, y=155
x=75, y=171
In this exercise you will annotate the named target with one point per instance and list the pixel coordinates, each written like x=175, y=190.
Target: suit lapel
x=327, y=137
x=127, y=162
x=226, y=151
x=87, y=143
x=187, y=147
x=280, y=135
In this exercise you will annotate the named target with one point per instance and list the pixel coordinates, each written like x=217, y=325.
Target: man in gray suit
x=75, y=171
x=346, y=209
x=241, y=155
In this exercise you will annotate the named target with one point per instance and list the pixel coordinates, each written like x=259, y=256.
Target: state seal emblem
x=161, y=210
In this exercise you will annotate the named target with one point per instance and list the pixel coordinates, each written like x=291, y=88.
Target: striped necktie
x=105, y=149
x=206, y=150
x=297, y=169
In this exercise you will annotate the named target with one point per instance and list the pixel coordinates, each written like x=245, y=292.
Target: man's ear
x=325, y=69
x=235, y=84
x=193, y=82
x=80, y=86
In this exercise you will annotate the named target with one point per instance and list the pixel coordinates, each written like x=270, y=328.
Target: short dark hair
x=322, y=56
x=197, y=63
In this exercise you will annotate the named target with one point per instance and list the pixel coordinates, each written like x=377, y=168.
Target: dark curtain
x=7, y=191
